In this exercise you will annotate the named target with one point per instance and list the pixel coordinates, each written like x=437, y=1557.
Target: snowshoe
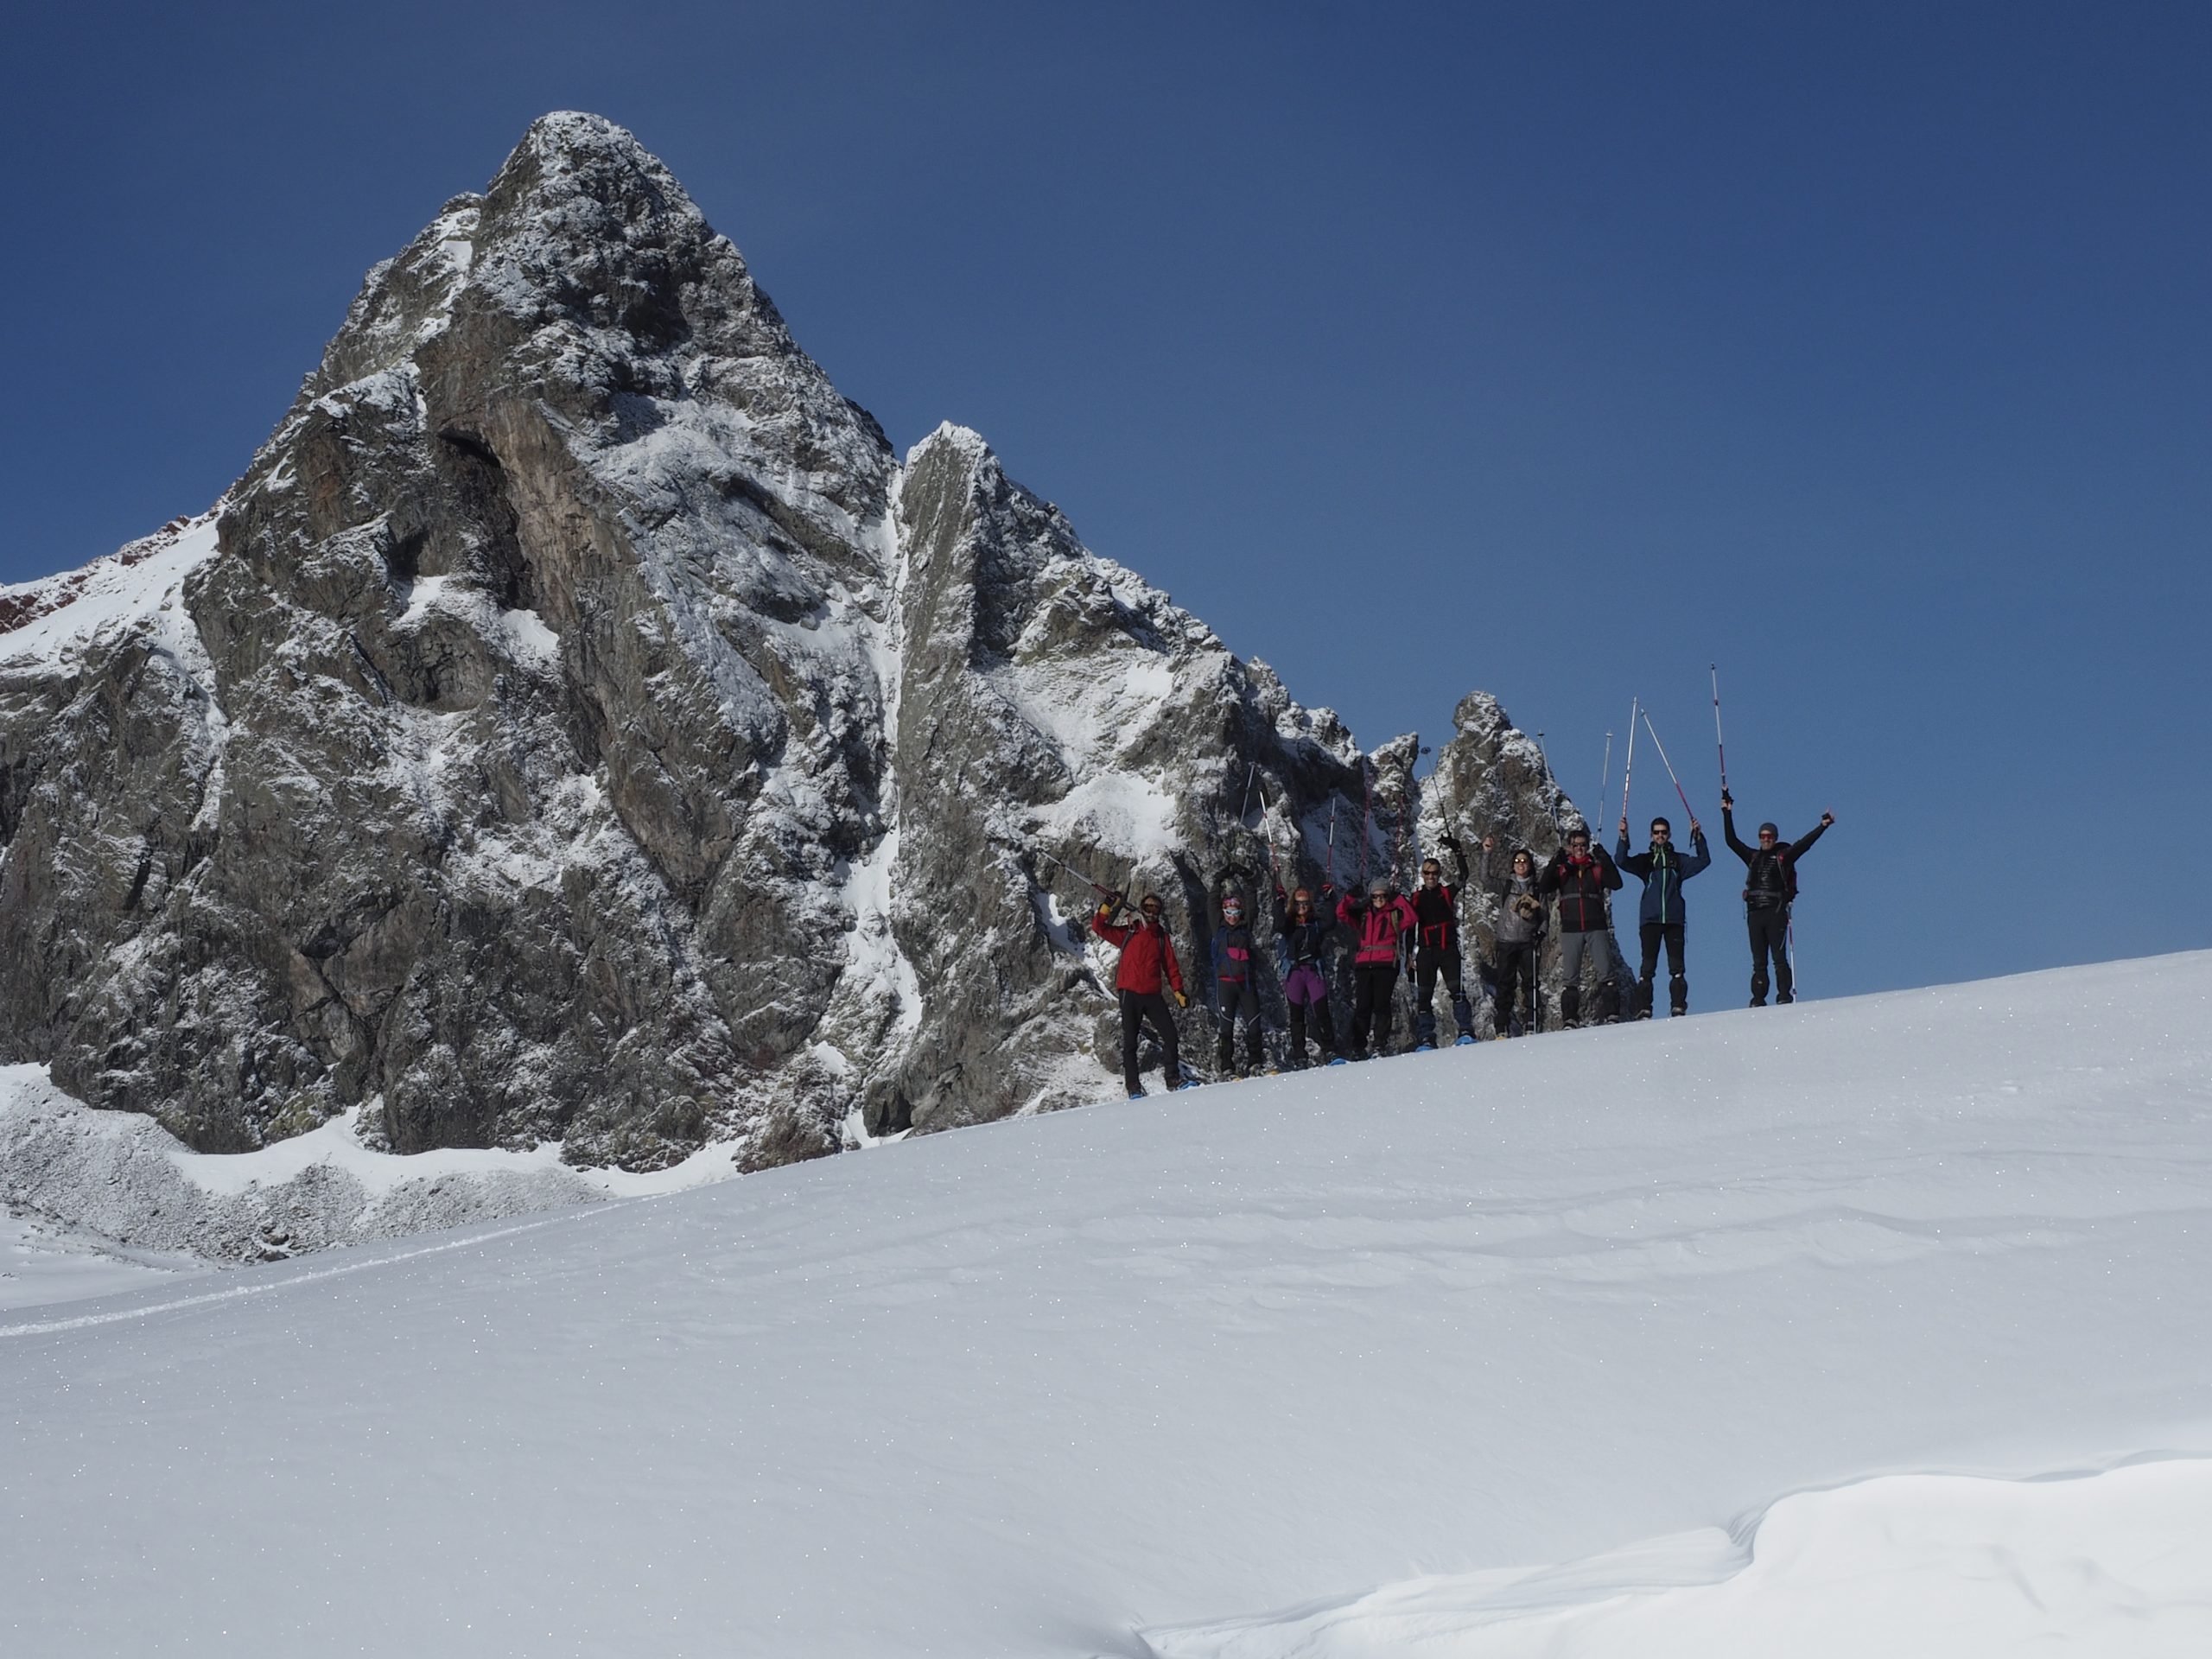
x=1137, y=1094
x=1465, y=1039
x=1424, y=1048
x=1187, y=1083
x=1337, y=1060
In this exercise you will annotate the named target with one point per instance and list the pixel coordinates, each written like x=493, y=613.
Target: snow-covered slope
x=1372, y=1346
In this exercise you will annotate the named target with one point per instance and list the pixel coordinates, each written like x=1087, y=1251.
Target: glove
x=1181, y=1001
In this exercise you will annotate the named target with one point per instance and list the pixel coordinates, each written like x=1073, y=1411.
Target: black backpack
x=1785, y=863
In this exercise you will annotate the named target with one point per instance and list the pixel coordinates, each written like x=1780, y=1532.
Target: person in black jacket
x=1436, y=947
x=1235, y=990
x=1582, y=875
x=1303, y=930
x=1659, y=918
x=1770, y=885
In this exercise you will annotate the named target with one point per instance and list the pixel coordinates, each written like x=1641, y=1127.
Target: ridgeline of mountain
x=579, y=724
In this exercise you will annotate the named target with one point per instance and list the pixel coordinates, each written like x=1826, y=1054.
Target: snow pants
x=1516, y=986
x=1138, y=1006
x=1769, y=928
x=1307, y=993
x=1596, y=945
x=1429, y=966
x=1653, y=934
x=1373, y=986
x=1237, y=1004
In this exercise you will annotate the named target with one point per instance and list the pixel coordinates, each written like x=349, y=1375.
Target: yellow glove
x=1181, y=1001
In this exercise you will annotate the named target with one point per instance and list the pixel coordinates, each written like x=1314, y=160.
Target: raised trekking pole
x=1605, y=777
x=1245, y=811
x=1628, y=771
x=1669, y=764
x=1332, y=843
x=1366, y=820
x=1098, y=887
x=1547, y=760
x=1718, y=742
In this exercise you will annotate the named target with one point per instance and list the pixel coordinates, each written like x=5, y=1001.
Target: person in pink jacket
x=1376, y=923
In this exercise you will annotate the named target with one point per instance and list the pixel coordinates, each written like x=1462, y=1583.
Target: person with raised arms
x=1147, y=965
x=1518, y=934
x=1580, y=875
x=1770, y=888
x=1659, y=918
x=1377, y=922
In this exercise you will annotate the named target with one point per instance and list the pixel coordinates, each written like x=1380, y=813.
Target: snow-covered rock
x=578, y=725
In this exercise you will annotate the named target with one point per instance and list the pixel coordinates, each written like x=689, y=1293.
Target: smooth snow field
x=1875, y=1326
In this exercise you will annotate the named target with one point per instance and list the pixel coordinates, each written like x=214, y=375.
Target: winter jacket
x=1377, y=930
x=1301, y=943
x=1436, y=912
x=1770, y=873
x=1662, y=871
x=1581, y=884
x=1233, y=953
x=1513, y=927
x=1148, y=954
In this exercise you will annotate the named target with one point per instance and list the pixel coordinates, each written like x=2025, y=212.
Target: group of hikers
x=1390, y=934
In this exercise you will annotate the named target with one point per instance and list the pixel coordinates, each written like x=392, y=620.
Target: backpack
x=1788, y=868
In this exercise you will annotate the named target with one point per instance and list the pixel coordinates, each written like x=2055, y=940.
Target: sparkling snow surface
x=1673, y=1340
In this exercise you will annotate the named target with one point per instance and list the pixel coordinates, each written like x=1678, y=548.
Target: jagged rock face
x=578, y=724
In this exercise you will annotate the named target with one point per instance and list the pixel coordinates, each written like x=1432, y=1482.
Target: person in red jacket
x=1376, y=923
x=1148, y=963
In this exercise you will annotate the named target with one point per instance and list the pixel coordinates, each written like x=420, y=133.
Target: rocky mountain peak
x=580, y=725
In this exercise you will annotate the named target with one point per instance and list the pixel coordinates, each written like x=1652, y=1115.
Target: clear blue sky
x=1556, y=350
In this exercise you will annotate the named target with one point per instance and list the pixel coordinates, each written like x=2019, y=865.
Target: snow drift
x=1551, y=1346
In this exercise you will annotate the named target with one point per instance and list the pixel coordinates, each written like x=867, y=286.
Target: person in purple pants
x=1304, y=931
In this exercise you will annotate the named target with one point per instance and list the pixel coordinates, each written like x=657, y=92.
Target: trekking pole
x=1669, y=764
x=1547, y=760
x=1628, y=771
x=1366, y=820
x=1245, y=810
x=1718, y=742
x=1606, y=777
x=1405, y=810
x=1100, y=889
x=1332, y=843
